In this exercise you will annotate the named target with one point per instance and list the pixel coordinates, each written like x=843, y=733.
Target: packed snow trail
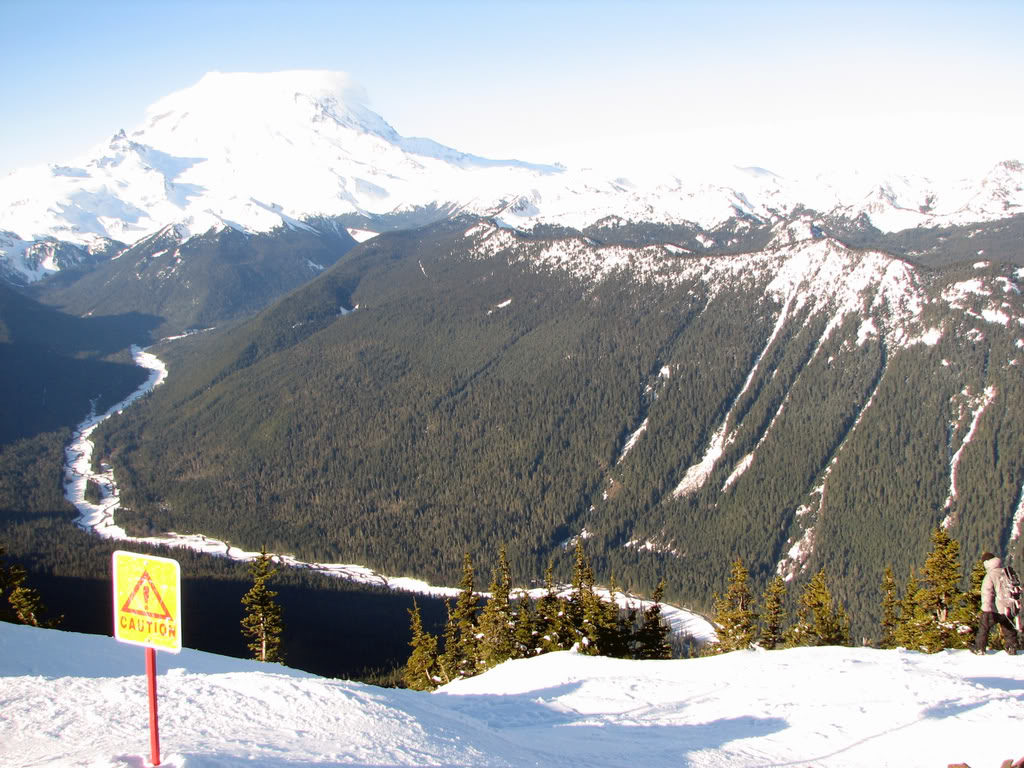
x=80, y=700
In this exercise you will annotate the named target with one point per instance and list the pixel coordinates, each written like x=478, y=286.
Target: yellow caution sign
x=147, y=604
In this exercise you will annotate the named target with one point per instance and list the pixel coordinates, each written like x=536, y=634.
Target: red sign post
x=147, y=612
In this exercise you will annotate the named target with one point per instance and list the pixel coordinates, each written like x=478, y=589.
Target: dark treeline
x=514, y=626
x=936, y=608
x=332, y=627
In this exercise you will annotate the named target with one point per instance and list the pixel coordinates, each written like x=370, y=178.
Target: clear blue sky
x=769, y=83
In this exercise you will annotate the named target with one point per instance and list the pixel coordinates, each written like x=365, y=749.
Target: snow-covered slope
x=80, y=700
x=257, y=151
x=245, y=150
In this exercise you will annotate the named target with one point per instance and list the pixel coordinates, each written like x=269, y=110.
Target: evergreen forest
x=426, y=397
x=435, y=392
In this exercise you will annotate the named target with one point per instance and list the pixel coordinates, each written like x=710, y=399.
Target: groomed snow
x=80, y=700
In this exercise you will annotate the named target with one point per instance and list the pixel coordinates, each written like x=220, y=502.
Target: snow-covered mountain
x=68, y=699
x=258, y=151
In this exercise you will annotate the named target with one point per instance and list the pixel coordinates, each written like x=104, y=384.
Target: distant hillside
x=196, y=282
x=53, y=366
x=462, y=386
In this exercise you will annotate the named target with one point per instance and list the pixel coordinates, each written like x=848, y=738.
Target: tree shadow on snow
x=1002, y=683
x=536, y=728
x=540, y=725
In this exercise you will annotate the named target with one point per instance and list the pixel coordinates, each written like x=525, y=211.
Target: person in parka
x=994, y=605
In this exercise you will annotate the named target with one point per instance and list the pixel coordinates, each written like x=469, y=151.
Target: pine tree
x=497, y=642
x=549, y=618
x=941, y=598
x=613, y=626
x=969, y=613
x=23, y=603
x=464, y=658
x=890, y=609
x=820, y=620
x=773, y=607
x=262, y=622
x=524, y=634
x=448, y=661
x=590, y=611
x=420, y=672
x=907, y=632
x=733, y=614
x=571, y=618
x=651, y=640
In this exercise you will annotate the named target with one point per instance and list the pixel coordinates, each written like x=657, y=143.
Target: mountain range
x=421, y=352
x=254, y=152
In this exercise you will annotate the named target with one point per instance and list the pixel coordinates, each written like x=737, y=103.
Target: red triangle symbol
x=149, y=591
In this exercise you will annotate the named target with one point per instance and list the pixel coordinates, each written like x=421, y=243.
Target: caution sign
x=147, y=605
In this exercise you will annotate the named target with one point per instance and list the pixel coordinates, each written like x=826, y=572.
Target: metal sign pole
x=154, y=728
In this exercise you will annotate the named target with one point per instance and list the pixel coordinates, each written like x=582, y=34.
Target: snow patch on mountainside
x=963, y=404
x=632, y=440
x=1017, y=525
x=698, y=474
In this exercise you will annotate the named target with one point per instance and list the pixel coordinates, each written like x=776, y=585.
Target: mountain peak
x=278, y=99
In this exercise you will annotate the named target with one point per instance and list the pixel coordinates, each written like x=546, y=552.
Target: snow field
x=80, y=700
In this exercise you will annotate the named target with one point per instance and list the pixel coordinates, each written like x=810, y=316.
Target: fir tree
x=890, y=609
x=571, y=617
x=497, y=642
x=941, y=598
x=613, y=633
x=448, y=661
x=820, y=620
x=549, y=618
x=733, y=614
x=20, y=603
x=591, y=623
x=773, y=607
x=651, y=640
x=466, y=655
x=969, y=614
x=524, y=634
x=421, y=672
x=262, y=622
x=907, y=633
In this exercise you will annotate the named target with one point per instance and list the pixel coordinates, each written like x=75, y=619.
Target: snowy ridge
x=809, y=276
x=80, y=700
x=259, y=151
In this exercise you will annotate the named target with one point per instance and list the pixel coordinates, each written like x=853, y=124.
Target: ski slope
x=80, y=700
